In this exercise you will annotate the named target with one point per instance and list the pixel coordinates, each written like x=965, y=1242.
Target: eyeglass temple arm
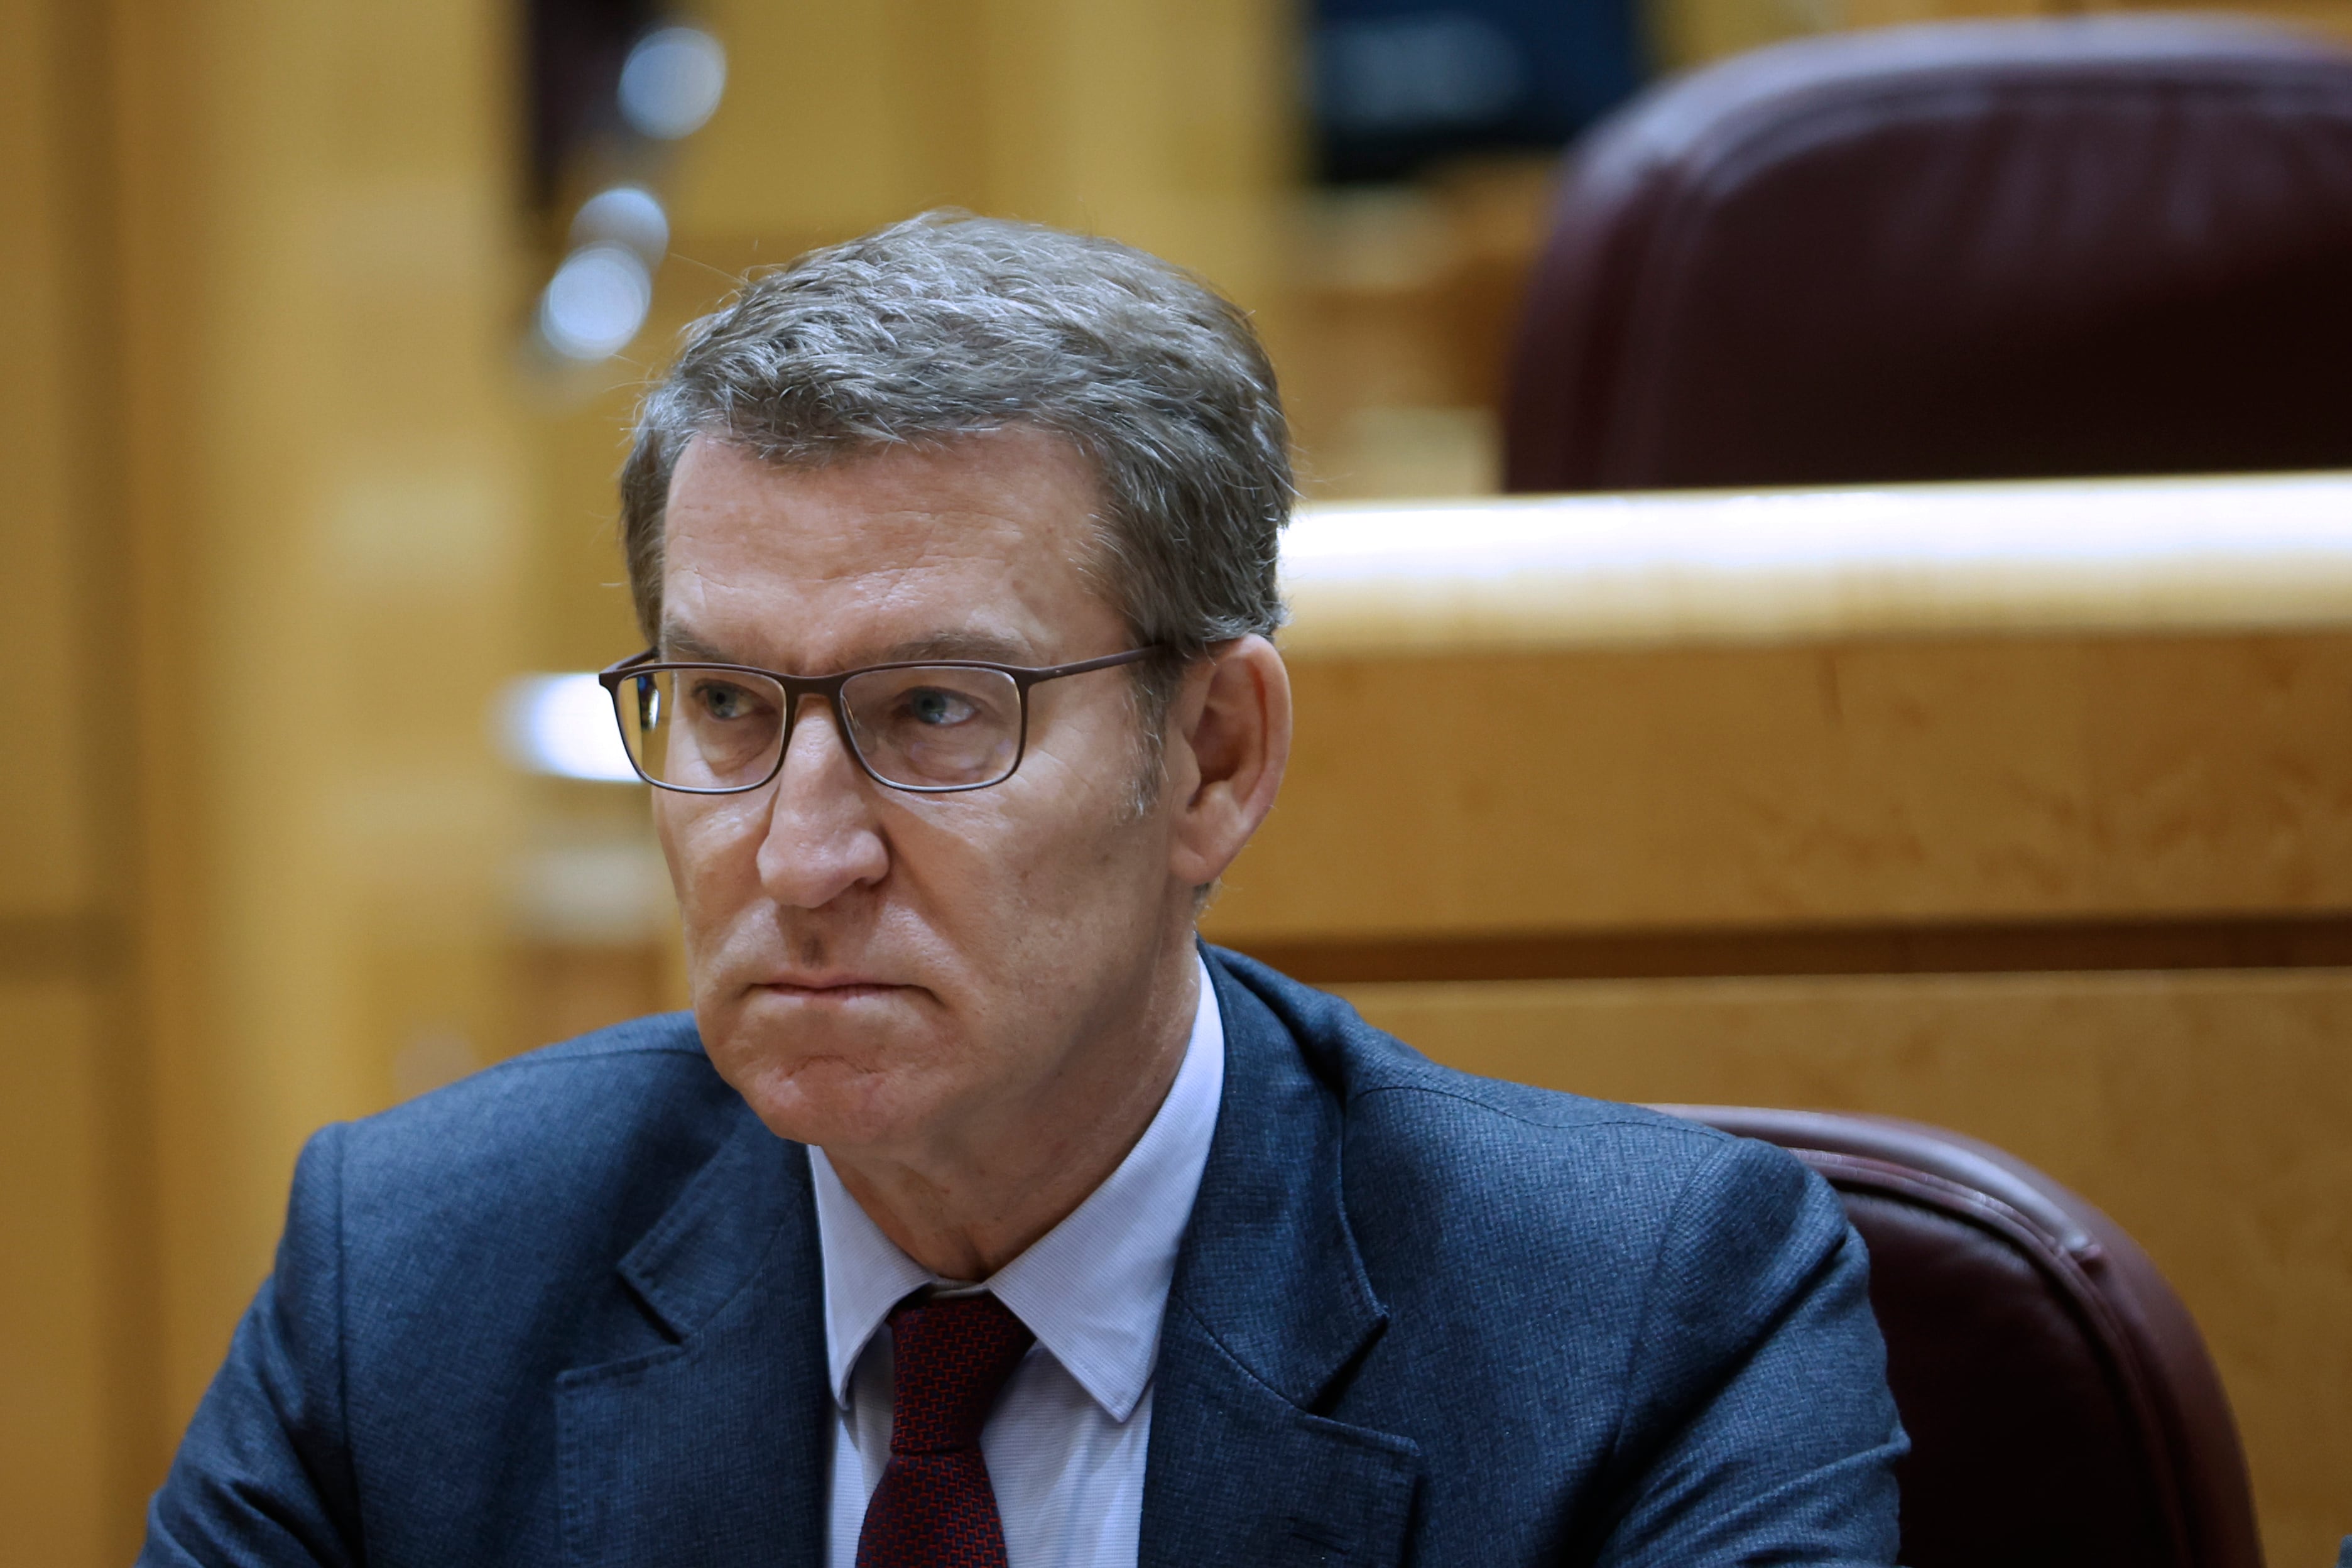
x=1055, y=672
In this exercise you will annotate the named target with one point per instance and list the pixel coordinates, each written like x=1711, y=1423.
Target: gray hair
x=948, y=325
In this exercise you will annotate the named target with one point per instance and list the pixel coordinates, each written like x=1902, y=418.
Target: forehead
x=986, y=540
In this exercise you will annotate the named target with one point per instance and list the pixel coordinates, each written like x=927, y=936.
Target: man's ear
x=1228, y=743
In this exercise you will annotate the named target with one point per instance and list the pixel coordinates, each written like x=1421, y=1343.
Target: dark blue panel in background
x=1401, y=83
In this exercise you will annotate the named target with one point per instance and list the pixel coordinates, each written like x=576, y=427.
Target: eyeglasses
x=932, y=727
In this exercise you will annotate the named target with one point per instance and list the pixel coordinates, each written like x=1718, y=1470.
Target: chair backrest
x=2108, y=245
x=2061, y=1407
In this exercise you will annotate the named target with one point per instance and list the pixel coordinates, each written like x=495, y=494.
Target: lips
x=828, y=987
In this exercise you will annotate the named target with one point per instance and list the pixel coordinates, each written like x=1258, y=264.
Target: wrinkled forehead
x=983, y=541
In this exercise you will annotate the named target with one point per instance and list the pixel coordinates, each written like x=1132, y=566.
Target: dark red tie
x=934, y=1508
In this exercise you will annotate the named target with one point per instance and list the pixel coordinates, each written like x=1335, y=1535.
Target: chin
x=830, y=1086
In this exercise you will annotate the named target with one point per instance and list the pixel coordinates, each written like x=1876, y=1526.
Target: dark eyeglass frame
x=798, y=689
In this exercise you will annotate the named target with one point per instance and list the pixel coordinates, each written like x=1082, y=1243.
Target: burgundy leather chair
x=2108, y=245
x=2061, y=1407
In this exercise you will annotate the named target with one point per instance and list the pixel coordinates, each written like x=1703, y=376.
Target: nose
x=823, y=839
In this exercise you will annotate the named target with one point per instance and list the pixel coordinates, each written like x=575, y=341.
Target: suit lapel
x=1269, y=1311
x=712, y=1450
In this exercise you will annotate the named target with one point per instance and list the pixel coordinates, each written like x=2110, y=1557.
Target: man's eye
x=930, y=705
x=722, y=701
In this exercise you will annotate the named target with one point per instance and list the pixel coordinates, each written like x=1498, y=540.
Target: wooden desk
x=2023, y=809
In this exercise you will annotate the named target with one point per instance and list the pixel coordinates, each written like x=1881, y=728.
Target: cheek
x=713, y=850
x=1085, y=883
x=1014, y=889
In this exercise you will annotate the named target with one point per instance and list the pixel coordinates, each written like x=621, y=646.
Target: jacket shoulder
x=1658, y=1253
x=562, y=1102
x=1362, y=1063
x=1540, y=1173
x=572, y=1150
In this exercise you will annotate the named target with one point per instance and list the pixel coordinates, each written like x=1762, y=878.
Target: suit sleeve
x=1758, y=1427
x=263, y=1477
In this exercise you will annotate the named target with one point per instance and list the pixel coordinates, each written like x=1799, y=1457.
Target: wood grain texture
x=1990, y=780
x=52, y=865
x=320, y=442
x=55, y=1501
x=2209, y=1115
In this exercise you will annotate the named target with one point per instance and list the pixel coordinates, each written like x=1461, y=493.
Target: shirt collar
x=1094, y=1288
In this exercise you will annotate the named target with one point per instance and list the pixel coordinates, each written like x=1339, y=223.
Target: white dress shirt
x=1066, y=1443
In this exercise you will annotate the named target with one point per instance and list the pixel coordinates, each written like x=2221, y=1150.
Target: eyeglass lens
x=925, y=727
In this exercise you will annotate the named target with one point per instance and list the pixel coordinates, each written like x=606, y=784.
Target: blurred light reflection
x=562, y=724
x=597, y=301
x=672, y=82
x=625, y=215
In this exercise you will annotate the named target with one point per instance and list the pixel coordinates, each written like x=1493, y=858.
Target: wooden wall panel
x=321, y=279
x=1167, y=123
x=56, y=1508
x=1700, y=788
x=1692, y=32
x=77, y=1438
x=2210, y=1115
x=50, y=871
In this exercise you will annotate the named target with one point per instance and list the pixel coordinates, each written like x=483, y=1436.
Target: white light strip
x=562, y=724
x=2160, y=554
x=1747, y=533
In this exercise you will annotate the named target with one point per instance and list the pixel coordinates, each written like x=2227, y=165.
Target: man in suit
x=978, y=1215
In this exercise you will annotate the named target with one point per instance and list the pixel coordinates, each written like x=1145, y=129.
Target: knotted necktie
x=934, y=1508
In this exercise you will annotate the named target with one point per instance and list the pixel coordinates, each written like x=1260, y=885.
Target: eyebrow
x=988, y=647
x=675, y=641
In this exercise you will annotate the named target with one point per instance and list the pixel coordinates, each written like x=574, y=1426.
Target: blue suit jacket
x=570, y=1312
